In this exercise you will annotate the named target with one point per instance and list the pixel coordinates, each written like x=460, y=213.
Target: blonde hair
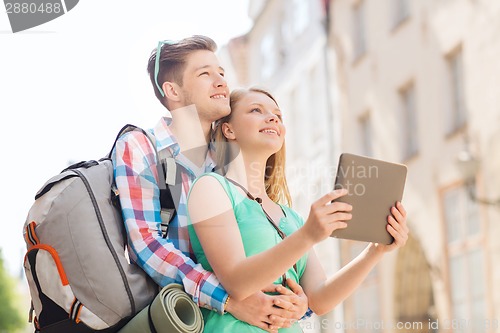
x=274, y=178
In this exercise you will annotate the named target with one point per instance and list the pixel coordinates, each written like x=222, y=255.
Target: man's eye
x=222, y=74
x=204, y=73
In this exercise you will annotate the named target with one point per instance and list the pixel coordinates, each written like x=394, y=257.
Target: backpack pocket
x=53, y=299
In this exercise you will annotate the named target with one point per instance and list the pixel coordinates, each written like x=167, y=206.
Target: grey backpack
x=77, y=267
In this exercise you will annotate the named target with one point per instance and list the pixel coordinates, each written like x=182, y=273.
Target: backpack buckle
x=166, y=216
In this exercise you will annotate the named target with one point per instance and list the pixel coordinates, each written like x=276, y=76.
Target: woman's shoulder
x=211, y=185
x=213, y=181
x=209, y=179
x=208, y=197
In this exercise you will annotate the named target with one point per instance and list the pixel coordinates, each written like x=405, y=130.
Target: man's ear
x=228, y=131
x=171, y=90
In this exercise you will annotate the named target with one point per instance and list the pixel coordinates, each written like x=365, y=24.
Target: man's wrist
x=226, y=304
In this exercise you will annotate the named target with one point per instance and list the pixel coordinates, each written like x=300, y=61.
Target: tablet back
x=374, y=187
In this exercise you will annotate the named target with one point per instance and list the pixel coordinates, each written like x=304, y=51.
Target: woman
x=243, y=230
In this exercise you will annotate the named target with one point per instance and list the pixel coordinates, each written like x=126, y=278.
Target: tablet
x=374, y=187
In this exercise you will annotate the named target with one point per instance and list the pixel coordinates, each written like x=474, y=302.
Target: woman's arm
x=324, y=294
x=215, y=224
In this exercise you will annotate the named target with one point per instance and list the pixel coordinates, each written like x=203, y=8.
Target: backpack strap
x=168, y=179
x=167, y=174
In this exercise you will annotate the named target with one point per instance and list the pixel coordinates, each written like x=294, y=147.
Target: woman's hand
x=397, y=227
x=326, y=216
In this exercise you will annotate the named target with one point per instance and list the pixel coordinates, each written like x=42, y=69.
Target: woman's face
x=256, y=123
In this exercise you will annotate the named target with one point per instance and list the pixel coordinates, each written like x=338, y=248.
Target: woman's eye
x=255, y=110
x=204, y=73
x=221, y=74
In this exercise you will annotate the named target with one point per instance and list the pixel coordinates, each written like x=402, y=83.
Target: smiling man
x=189, y=81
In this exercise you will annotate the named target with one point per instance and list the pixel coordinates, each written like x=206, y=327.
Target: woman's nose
x=272, y=118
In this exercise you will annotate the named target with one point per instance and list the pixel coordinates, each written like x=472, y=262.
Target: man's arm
x=136, y=179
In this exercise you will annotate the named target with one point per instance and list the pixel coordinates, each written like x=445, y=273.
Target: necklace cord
x=278, y=230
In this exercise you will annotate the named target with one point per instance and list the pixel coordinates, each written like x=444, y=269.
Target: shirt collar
x=166, y=140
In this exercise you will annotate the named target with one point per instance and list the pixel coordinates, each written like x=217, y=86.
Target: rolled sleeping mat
x=171, y=311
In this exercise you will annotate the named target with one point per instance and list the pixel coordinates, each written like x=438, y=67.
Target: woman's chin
x=271, y=149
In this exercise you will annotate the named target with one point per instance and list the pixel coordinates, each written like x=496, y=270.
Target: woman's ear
x=171, y=90
x=228, y=131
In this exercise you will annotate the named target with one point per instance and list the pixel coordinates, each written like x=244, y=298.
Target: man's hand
x=298, y=299
x=271, y=312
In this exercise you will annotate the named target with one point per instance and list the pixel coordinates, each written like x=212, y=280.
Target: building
x=414, y=82
x=419, y=83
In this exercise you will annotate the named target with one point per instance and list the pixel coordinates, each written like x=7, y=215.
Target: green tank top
x=257, y=235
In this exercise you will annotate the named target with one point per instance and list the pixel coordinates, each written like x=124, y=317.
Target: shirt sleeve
x=136, y=178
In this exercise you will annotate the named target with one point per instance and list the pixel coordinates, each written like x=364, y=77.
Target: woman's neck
x=249, y=172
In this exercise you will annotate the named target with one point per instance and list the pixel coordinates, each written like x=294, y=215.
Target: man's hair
x=275, y=179
x=173, y=57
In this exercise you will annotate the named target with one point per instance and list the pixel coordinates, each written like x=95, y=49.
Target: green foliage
x=10, y=318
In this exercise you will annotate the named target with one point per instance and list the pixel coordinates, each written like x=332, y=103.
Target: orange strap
x=30, y=235
x=55, y=256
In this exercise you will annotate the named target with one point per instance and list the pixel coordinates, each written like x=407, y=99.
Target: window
x=462, y=215
x=457, y=113
x=290, y=120
x=466, y=260
x=409, y=121
x=359, y=38
x=301, y=16
x=366, y=134
x=467, y=290
x=269, y=58
x=317, y=107
x=285, y=37
x=401, y=11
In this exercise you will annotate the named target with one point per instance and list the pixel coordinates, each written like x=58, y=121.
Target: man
x=189, y=81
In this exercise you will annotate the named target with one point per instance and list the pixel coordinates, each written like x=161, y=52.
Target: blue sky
x=68, y=85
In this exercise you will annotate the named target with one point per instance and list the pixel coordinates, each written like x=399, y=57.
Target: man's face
x=204, y=85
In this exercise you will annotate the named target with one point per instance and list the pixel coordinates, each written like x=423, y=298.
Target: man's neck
x=191, y=132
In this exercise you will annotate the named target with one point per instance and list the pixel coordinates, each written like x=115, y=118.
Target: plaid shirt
x=165, y=260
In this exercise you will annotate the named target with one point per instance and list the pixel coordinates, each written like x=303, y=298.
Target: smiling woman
x=86, y=81
x=246, y=206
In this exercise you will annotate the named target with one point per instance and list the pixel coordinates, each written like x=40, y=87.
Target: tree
x=10, y=318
